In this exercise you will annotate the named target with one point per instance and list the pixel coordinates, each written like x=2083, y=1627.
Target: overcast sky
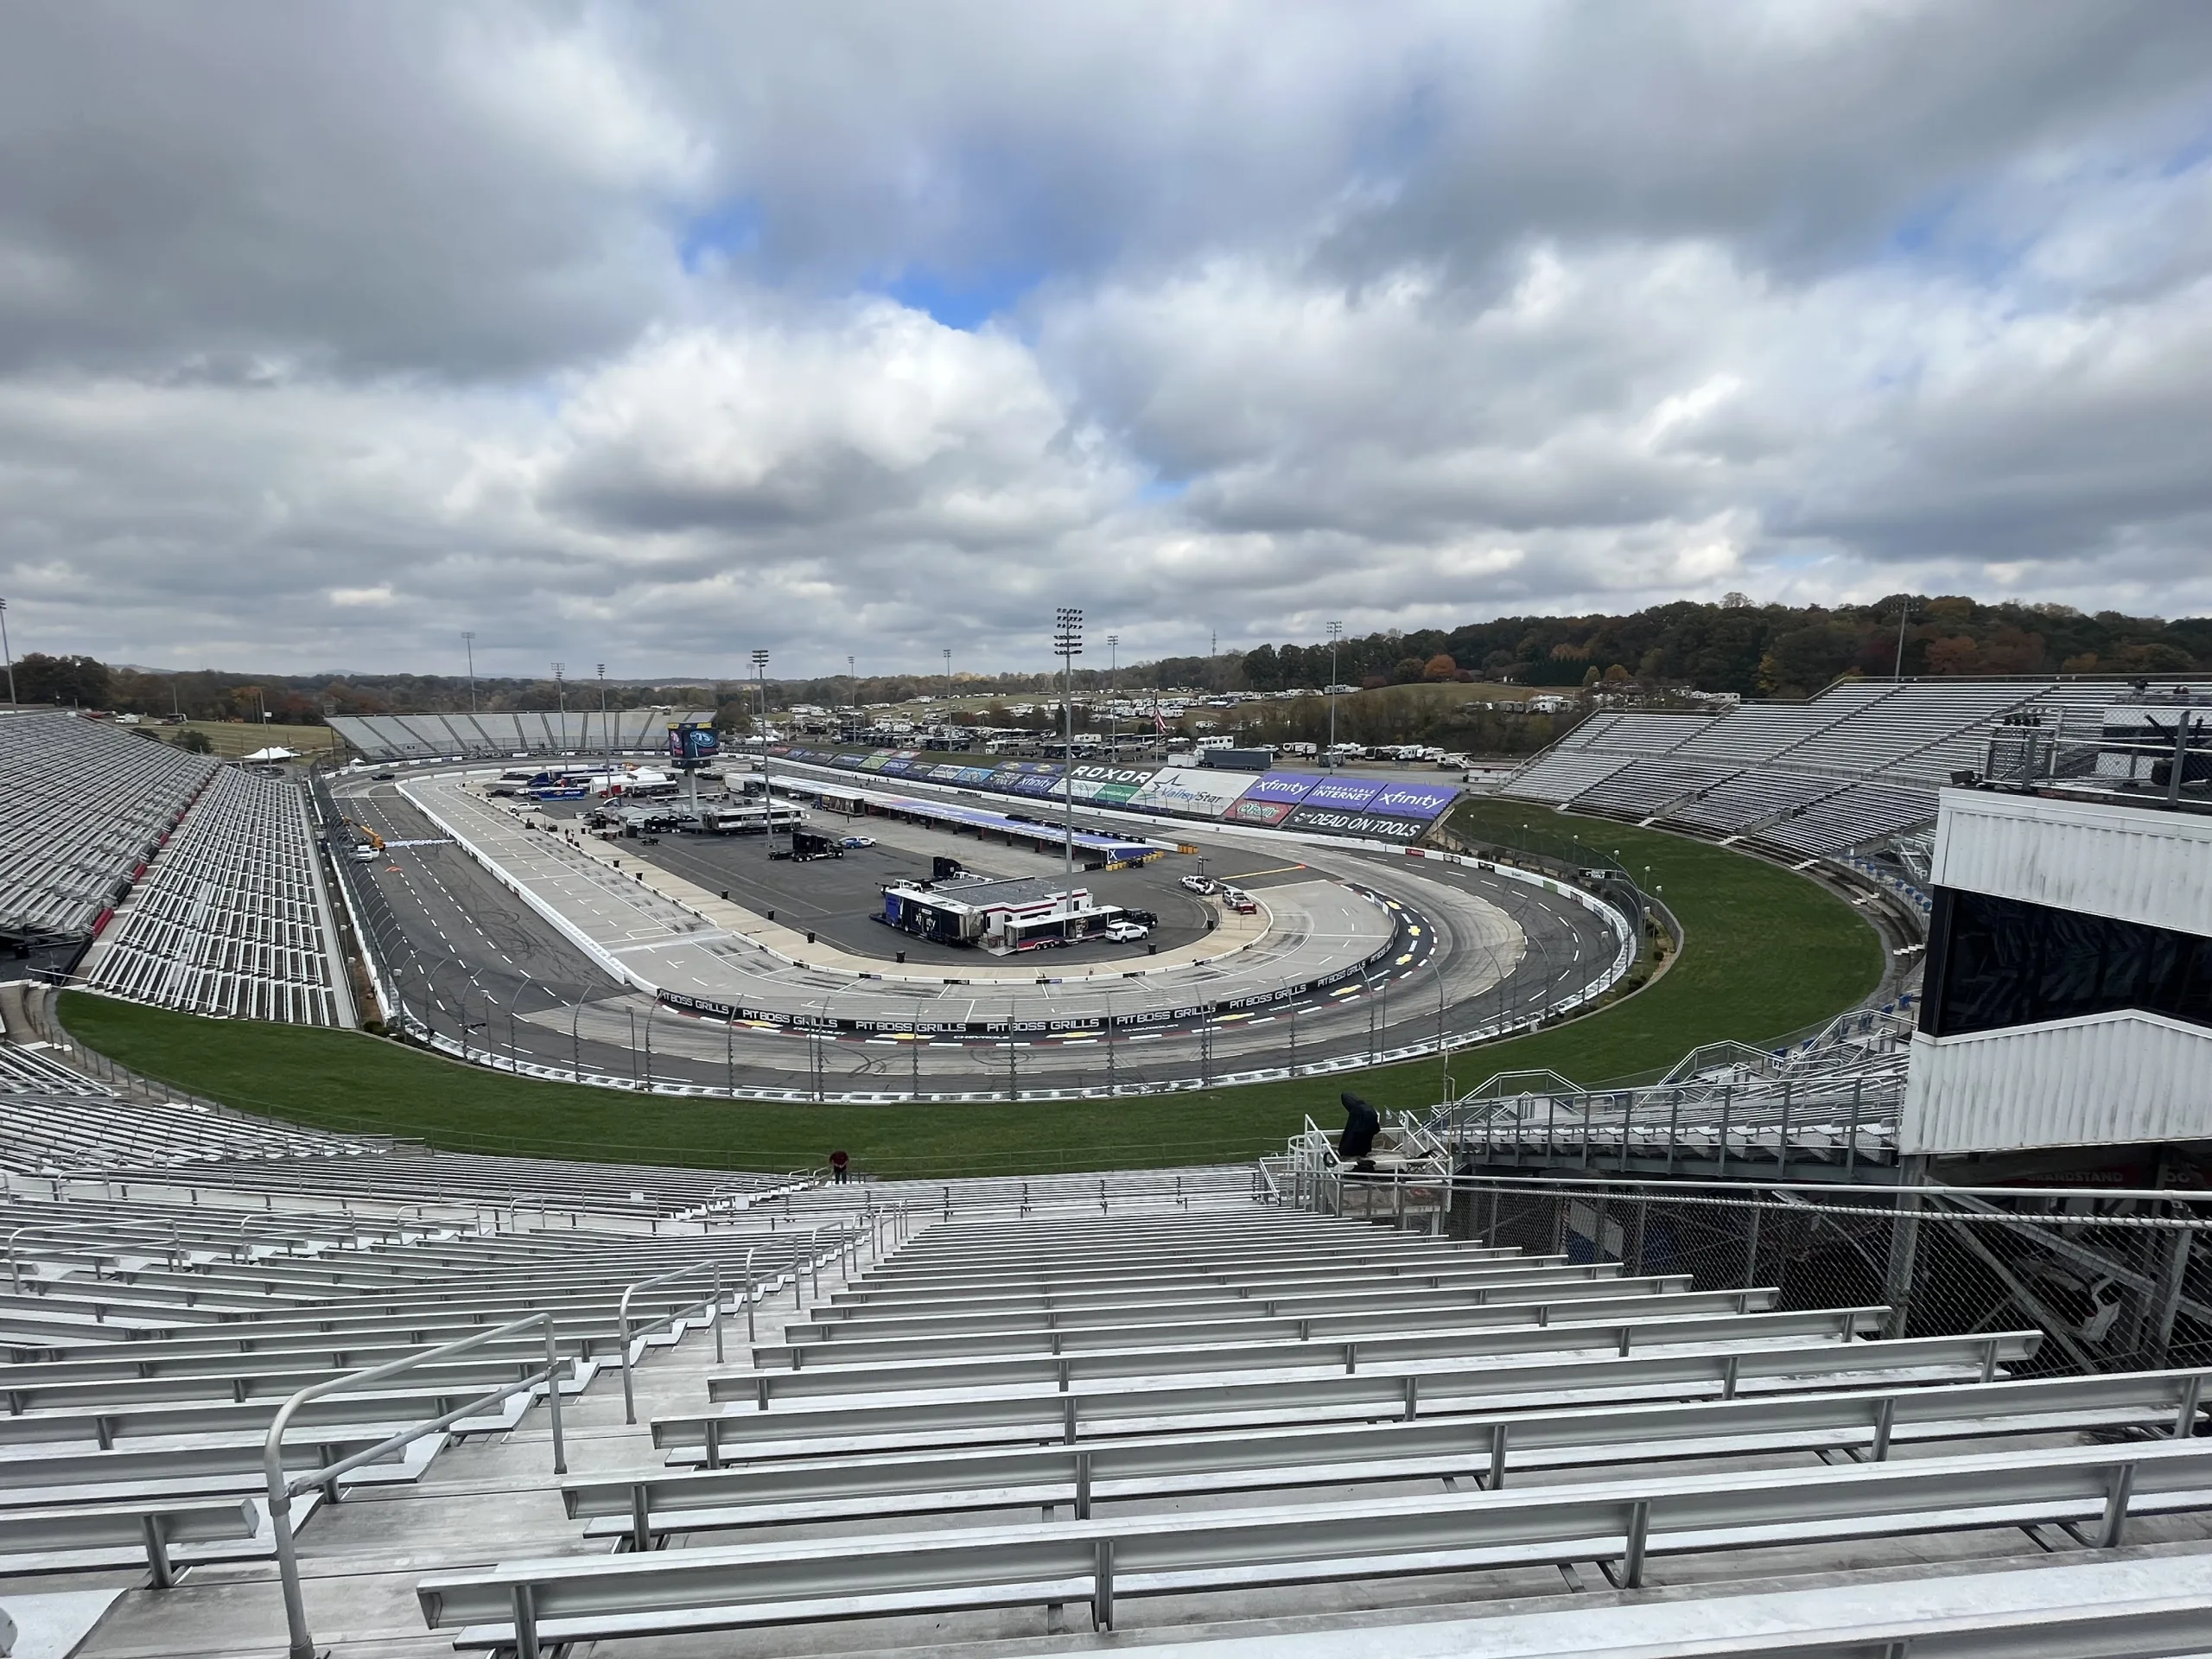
x=651, y=334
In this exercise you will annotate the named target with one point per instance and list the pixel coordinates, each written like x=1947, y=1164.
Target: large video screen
x=690, y=742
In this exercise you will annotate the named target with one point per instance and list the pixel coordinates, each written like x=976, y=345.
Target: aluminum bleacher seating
x=1048, y=1376
x=1645, y=787
x=1747, y=800
x=509, y=735
x=1862, y=813
x=82, y=805
x=1562, y=774
x=1856, y=766
x=231, y=917
x=1080, y=1392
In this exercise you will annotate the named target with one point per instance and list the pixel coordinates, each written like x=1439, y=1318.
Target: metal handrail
x=282, y=1493
x=622, y=1318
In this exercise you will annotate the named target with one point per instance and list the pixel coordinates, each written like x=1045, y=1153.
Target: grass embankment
x=1768, y=952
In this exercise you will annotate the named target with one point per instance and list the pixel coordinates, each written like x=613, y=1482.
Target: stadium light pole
x=561, y=694
x=760, y=741
x=468, y=644
x=1336, y=634
x=1113, y=685
x=1904, y=616
x=1067, y=640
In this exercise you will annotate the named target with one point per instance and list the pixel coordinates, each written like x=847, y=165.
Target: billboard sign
x=1249, y=810
x=1189, y=790
x=1347, y=794
x=1413, y=800
x=1291, y=786
x=1371, y=825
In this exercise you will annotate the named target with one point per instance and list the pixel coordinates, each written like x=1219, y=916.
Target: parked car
x=1126, y=932
x=1198, y=883
x=854, y=843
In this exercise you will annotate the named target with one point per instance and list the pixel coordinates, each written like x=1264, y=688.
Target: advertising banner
x=1291, y=786
x=1413, y=800
x=1189, y=790
x=1090, y=789
x=894, y=766
x=1370, y=825
x=943, y=774
x=974, y=777
x=874, y=762
x=1135, y=777
x=1348, y=794
x=1249, y=810
x=1036, y=783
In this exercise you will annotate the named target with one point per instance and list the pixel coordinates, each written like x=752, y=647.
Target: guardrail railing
x=283, y=1492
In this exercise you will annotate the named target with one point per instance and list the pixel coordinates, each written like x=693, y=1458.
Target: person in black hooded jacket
x=1361, y=1123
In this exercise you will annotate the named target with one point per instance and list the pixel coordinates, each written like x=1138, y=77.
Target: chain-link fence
x=2114, y=1281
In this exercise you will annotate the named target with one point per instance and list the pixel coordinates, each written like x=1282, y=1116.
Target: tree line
x=1755, y=651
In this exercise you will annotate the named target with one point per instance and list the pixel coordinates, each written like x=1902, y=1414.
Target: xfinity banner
x=1290, y=786
x=1413, y=800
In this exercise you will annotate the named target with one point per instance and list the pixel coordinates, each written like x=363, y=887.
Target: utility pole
x=561, y=697
x=1904, y=616
x=1112, y=695
x=468, y=640
x=1067, y=640
x=8, y=650
x=602, y=690
x=1335, y=633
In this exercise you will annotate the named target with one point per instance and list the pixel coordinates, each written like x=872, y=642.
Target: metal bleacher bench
x=978, y=1416
x=642, y=1513
x=1260, y=1321
x=63, y=1538
x=530, y=1605
x=1529, y=1332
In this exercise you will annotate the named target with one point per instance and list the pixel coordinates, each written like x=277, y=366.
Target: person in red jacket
x=837, y=1163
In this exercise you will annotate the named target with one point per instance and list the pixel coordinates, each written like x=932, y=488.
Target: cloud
x=657, y=334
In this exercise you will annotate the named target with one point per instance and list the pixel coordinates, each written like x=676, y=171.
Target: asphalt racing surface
x=478, y=968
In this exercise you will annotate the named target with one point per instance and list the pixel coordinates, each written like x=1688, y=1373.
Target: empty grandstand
x=1859, y=763
x=510, y=735
x=231, y=917
x=82, y=806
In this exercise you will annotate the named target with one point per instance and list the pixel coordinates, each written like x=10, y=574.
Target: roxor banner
x=1370, y=825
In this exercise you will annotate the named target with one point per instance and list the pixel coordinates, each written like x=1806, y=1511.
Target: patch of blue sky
x=1949, y=230
x=725, y=231
x=965, y=302
x=1163, y=489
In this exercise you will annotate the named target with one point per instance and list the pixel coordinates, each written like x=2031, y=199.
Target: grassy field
x=231, y=740
x=1768, y=952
